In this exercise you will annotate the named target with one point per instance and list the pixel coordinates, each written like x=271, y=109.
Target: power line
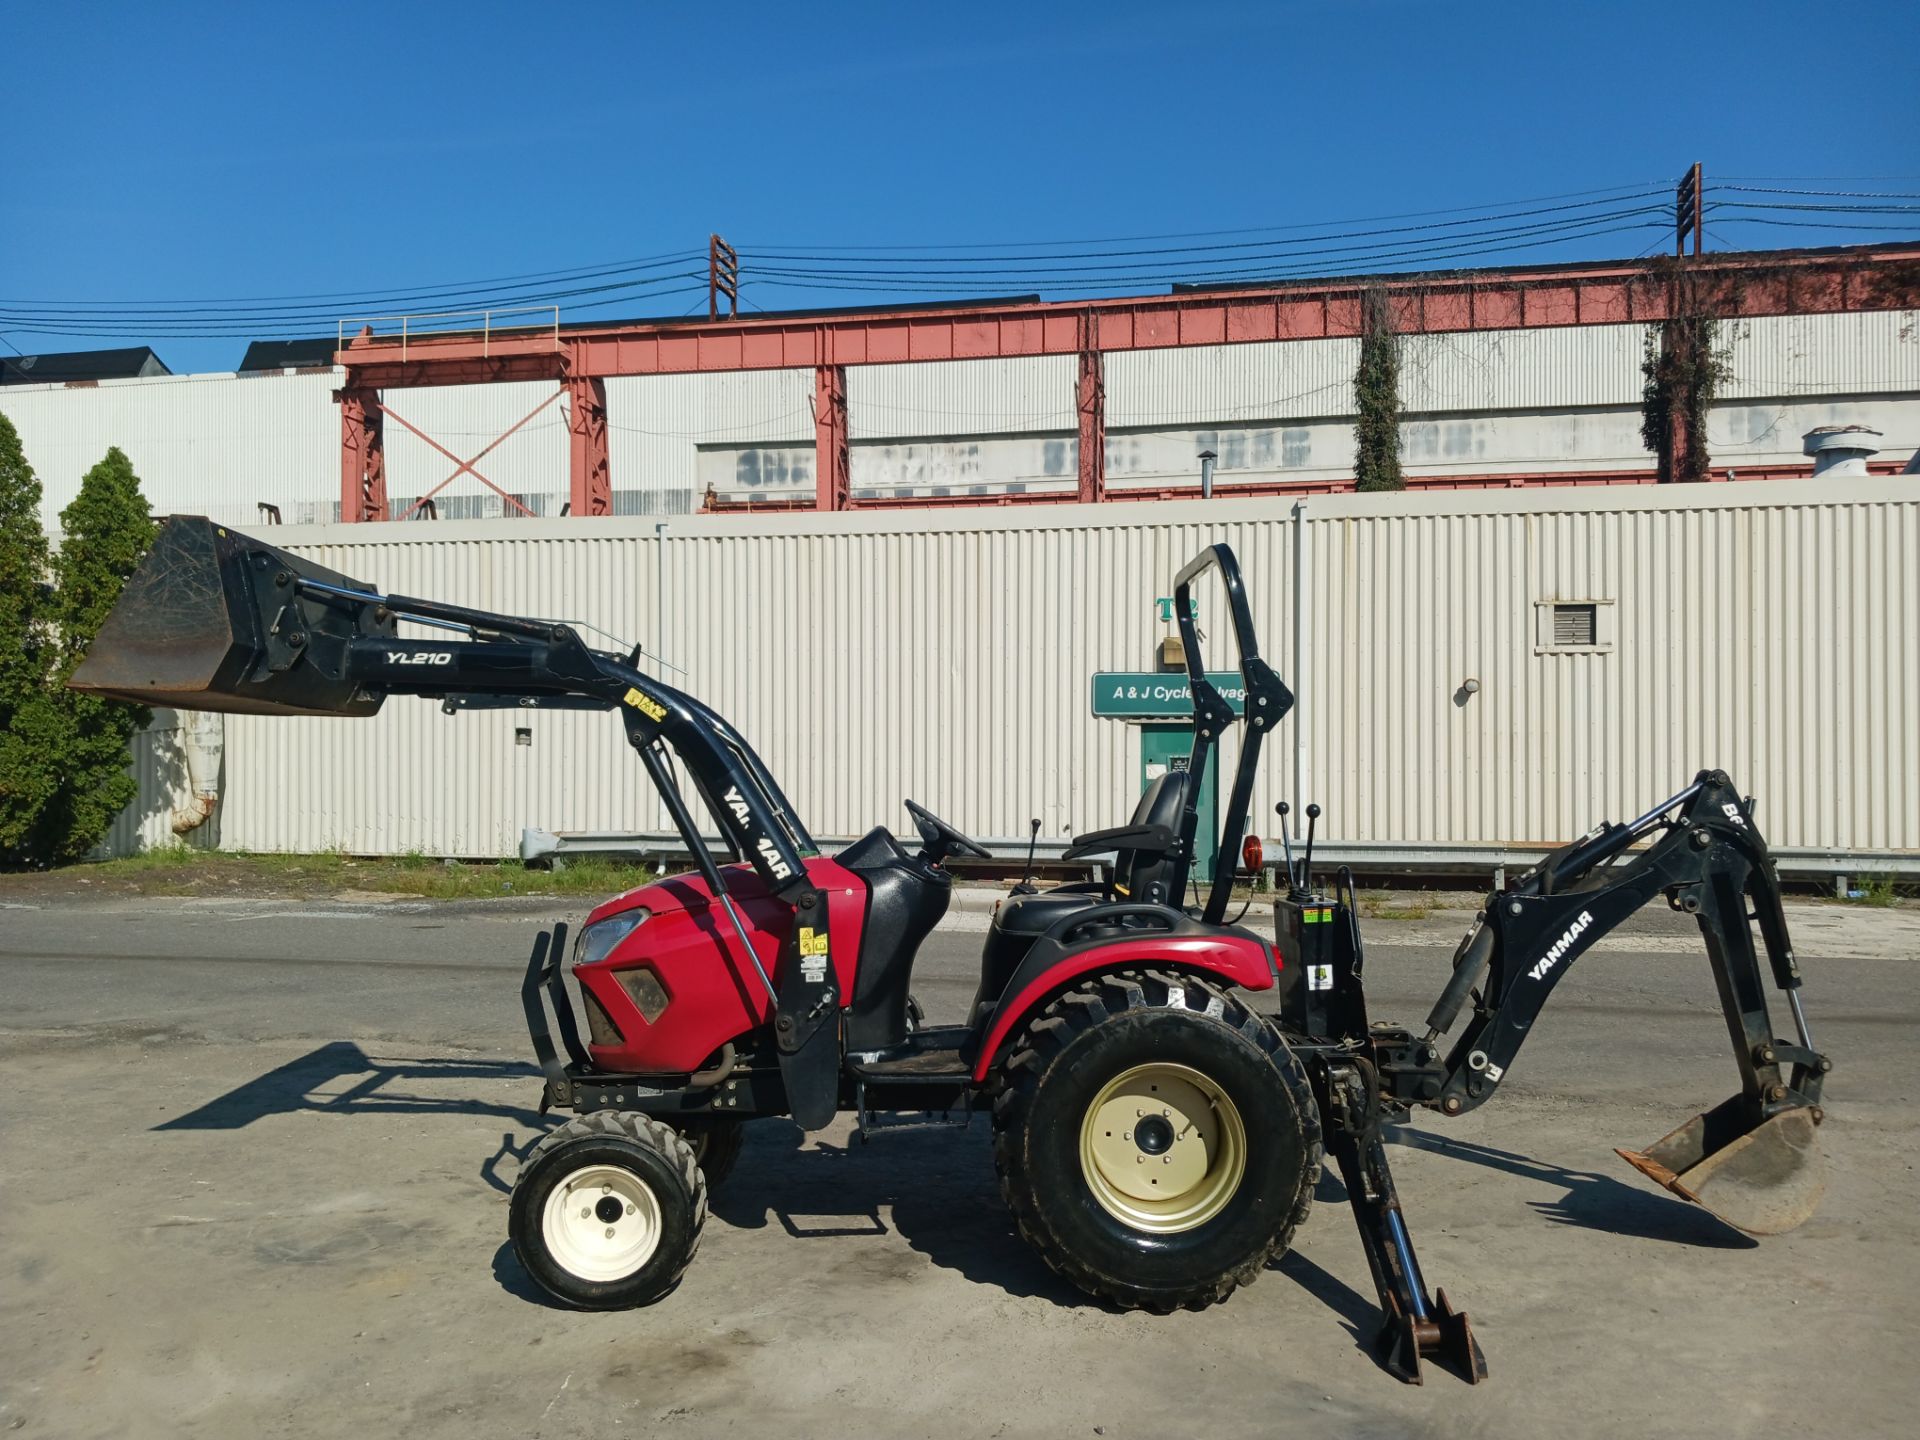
x=1644, y=186
x=575, y=272
x=1543, y=230
x=1197, y=249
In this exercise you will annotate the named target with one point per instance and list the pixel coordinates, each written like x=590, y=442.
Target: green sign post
x=1159, y=695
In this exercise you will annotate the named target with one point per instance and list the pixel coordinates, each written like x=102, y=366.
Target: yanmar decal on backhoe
x=1561, y=946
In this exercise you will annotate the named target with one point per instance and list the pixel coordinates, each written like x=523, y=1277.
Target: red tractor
x=1158, y=1138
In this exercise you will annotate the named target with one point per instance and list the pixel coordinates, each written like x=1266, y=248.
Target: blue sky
x=189, y=152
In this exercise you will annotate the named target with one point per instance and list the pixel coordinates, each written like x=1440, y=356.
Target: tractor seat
x=1148, y=866
x=1145, y=868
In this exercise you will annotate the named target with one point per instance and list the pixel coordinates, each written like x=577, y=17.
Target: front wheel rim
x=1163, y=1148
x=601, y=1223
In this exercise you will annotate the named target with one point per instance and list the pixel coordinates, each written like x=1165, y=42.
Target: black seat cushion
x=1155, y=876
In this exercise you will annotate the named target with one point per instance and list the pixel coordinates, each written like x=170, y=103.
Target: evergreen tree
x=105, y=531
x=24, y=657
x=1376, y=392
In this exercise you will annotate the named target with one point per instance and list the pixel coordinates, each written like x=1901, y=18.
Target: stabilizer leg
x=1416, y=1325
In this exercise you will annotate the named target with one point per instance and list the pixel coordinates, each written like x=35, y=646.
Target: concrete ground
x=257, y=1156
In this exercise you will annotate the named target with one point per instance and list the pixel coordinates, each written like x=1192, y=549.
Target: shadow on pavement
x=1592, y=1201
x=935, y=1180
x=340, y=1078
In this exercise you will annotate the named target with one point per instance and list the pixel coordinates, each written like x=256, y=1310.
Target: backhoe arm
x=1709, y=861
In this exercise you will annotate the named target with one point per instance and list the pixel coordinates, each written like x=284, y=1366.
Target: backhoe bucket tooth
x=1764, y=1179
x=212, y=620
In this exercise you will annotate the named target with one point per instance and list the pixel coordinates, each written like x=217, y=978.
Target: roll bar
x=1268, y=701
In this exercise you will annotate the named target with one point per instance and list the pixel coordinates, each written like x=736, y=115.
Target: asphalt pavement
x=258, y=1154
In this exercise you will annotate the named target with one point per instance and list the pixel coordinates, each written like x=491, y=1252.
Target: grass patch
x=1398, y=912
x=1878, y=890
x=182, y=870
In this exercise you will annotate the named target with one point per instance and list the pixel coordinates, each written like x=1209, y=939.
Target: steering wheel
x=939, y=839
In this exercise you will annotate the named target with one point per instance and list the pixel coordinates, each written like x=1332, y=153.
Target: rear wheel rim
x=1163, y=1148
x=601, y=1223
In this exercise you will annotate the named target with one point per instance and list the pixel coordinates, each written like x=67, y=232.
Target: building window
x=1578, y=627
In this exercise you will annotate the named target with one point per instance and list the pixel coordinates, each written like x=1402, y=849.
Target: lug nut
x=586, y=1214
x=609, y=1232
x=631, y=1209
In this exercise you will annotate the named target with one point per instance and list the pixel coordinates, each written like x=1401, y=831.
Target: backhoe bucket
x=212, y=620
x=1763, y=1179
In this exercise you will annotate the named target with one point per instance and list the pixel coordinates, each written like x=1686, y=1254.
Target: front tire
x=1157, y=1142
x=607, y=1211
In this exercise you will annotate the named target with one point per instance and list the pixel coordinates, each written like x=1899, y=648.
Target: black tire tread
x=1063, y=1021
x=642, y=1130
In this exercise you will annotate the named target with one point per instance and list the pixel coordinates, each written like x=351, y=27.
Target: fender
x=1236, y=958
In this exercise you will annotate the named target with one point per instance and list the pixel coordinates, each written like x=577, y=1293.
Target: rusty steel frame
x=833, y=449
x=714, y=504
x=363, y=455
x=1611, y=292
x=589, y=465
x=1091, y=406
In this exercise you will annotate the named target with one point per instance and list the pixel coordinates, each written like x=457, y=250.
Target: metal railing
x=410, y=327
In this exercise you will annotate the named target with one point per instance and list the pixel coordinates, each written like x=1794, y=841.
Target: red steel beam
x=589, y=468
x=363, y=455
x=1760, y=283
x=1092, y=405
x=833, y=457
x=1265, y=489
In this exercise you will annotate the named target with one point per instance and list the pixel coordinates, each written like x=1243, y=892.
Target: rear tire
x=607, y=1211
x=1171, y=1211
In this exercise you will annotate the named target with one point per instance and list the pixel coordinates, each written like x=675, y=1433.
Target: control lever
x=1026, y=885
x=1306, y=861
x=1286, y=843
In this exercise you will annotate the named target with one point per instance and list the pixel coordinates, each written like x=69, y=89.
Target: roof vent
x=1840, y=449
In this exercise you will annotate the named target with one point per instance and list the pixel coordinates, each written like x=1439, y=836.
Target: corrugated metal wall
x=1773, y=629
x=160, y=765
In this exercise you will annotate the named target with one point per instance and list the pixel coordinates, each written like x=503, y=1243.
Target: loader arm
x=216, y=620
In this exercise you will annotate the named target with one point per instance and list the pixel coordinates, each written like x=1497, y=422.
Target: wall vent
x=1578, y=627
x=1573, y=626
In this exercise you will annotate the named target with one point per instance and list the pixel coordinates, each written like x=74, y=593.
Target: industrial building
x=1529, y=639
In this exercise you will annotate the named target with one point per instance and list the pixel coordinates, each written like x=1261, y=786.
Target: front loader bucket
x=212, y=620
x=1764, y=1179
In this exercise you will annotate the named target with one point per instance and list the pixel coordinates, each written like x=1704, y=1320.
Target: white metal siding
x=159, y=764
x=201, y=444
x=1766, y=628
x=1872, y=352
x=963, y=397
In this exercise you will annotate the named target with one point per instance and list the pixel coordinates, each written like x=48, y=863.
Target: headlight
x=596, y=941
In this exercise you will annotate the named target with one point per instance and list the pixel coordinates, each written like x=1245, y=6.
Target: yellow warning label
x=1316, y=917
x=646, y=704
x=812, y=942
